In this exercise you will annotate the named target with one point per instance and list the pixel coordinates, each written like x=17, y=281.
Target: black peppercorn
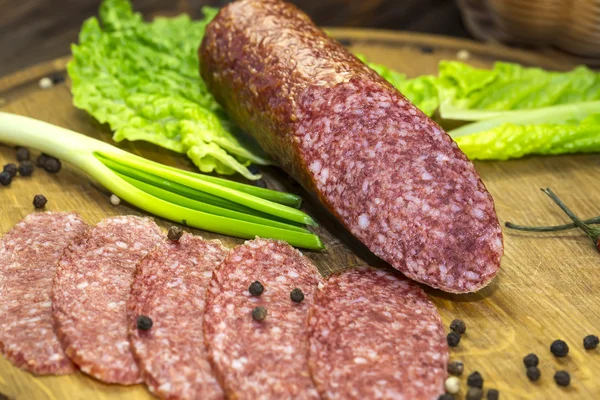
x=259, y=313
x=26, y=168
x=143, y=322
x=474, y=393
x=562, y=378
x=475, y=380
x=254, y=169
x=11, y=169
x=531, y=360
x=533, y=373
x=39, y=201
x=559, y=348
x=41, y=160
x=458, y=325
x=590, y=342
x=260, y=183
x=175, y=233
x=456, y=368
x=446, y=396
x=5, y=178
x=52, y=165
x=256, y=288
x=492, y=394
x=453, y=339
x=296, y=295
x=22, y=154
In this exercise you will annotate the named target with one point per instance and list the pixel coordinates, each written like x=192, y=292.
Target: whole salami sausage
x=169, y=287
x=374, y=335
x=90, y=293
x=29, y=254
x=261, y=353
x=390, y=174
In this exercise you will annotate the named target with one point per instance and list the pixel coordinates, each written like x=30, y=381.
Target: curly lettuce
x=142, y=79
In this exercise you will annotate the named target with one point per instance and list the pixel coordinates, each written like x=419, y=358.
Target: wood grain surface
x=548, y=287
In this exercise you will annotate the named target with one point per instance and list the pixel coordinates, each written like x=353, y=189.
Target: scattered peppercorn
x=446, y=396
x=254, y=169
x=3, y=397
x=452, y=385
x=296, y=295
x=143, y=322
x=458, y=325
x=533, y=373
x=474, y=393
x=11, y=169
x=492, y=394
x=453, y=339
x=531, y=360
x=115, y=200
x=559, y=348
x=57, y=78
x=259, y=313
x=52, y=165
x=256, y=288
x=39, y=201
x=26, y=168
x=22, y=154
x=456, y=368
x=562, y=378
x=41, y=160
x=260, y=183
x=45, y=83
x=175, y=233
x=475, y=380
x=5, y=178
x=590, y=342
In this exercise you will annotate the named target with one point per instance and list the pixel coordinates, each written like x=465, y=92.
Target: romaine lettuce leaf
x=469, y=94
x=142, y=78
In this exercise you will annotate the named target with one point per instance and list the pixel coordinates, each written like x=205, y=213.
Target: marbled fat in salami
x=169, y=287
x=374, y=335
x=261, y=359
x=29, y=254
x=389, y=173
x=90, y=292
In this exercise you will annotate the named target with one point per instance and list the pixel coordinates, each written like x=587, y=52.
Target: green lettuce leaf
x=469, y=94
x=510, y=140
x=142, y=78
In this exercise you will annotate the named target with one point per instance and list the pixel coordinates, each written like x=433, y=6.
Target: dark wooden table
x=32, y=31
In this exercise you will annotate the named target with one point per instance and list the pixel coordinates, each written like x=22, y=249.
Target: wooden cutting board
x=548, y=287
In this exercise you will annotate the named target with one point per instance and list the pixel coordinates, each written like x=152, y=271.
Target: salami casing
x=390, y=174
x=29, y=254
x=264, y=359
x=374, y=335
x=169, y=287
x=90, y=292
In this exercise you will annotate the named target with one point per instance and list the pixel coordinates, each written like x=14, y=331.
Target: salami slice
x=90, y=291
x=169, y=287
x=385, y=170
x=29, y=254
x=374, y=335
x=264, y=359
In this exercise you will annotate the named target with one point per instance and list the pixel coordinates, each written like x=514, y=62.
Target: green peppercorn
x=590, y=342
x=533, y=373
x=143, y=322
x=458, y=325
x=475, y=380
x=39, y=201
x=531, y=360
x=453, y=339
x=562, y=378
x=296, y=295
x=256, y=288
x=259, y=313
x=559, y=348
x=175, y=233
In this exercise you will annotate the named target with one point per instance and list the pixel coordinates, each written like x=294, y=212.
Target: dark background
x=32, y=31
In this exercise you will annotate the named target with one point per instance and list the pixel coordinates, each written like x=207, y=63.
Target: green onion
x=82, y=152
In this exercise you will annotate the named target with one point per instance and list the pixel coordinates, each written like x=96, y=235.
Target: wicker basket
x=571, y=25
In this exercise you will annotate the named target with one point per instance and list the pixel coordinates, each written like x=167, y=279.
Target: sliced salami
x=29, y=254
x=90, y=292
x=374, y=335
x=169, y=287
x=261, y=359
